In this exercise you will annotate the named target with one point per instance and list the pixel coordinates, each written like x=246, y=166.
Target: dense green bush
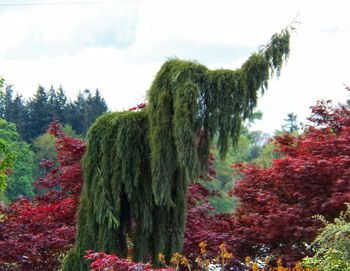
x=332, y=245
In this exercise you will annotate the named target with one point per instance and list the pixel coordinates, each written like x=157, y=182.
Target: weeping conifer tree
x=138, y=164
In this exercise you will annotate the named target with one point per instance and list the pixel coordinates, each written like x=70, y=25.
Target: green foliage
x=44, y=147
x=252, y=147
x=33, y=116
x=69, y=131
x=13, y=109
x=21, y=178
x=6, y=162
x=19, y=115
x=138, y=164
x=4, y=199
x=2, y=101
x=290, y=125
x=57, y=101
x=267, y=153
x=40, y=112
x=223, y=203
x=332, y=245
x=82, y=113
x=6, y=156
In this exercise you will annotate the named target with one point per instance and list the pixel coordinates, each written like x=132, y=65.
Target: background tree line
x=23, y=125
x=33, y=116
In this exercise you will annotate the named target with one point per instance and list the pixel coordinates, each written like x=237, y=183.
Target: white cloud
x=121, y=83
x=64, y=29
x=226, y=21
x=317, y=69
x=77, y=46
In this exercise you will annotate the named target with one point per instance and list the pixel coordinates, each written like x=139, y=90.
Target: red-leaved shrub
x=36, y=234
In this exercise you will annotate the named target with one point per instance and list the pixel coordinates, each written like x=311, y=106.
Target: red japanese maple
x=277, y=204
x=102, y=261
x=36, y=234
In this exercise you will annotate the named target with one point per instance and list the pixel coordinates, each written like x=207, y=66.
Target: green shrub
x=332, y=245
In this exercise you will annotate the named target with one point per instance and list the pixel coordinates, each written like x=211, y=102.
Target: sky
x=118, y=46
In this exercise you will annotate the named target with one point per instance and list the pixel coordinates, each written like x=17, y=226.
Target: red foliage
x=199, y=221
x=35, y=235
x=102, y=261
x=274, y=216
x=277, y=204
x=202, y=225
x=138, y=107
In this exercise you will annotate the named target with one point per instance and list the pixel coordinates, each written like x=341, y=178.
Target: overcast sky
x=118, y=46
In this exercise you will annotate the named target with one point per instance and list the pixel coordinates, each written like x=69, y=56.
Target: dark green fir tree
x=40, y=113
x=138, y=164
x=291, y=124
x=20, y=116
x=86, y=108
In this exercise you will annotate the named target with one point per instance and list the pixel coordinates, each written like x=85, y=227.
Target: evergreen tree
x=58, y=103
x=14, y=110
x=32, y=118
x=8, y=103
x=76, y=113
x=2, y=99
x=52, y=101
x=291, y=124
x=20, y=116
x=85, y=110
x=138, y=164
x=40, y=113
x=61, y=105
x=94, y=106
